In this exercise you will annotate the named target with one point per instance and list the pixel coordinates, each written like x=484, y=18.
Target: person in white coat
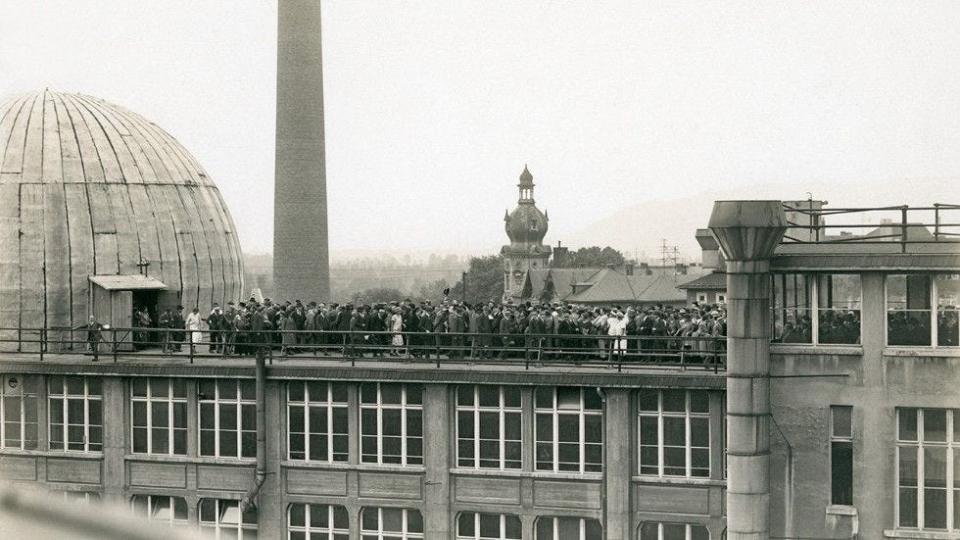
x=193, y=323
x=617, y=329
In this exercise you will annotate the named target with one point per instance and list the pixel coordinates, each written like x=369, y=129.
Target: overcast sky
x=433, y=107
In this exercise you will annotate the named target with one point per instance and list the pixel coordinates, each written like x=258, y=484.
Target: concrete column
x=748, y=232
x=114, y=439
x=271, y=509
x=436, y=461
x=617, y=467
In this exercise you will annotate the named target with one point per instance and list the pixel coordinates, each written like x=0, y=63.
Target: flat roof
x=128, y=282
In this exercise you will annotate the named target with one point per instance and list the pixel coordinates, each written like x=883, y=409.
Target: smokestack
x=300, y=259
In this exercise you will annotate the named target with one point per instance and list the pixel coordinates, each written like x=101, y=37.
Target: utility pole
x=463, y=279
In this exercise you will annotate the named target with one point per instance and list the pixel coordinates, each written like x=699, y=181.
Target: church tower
x=526, y=227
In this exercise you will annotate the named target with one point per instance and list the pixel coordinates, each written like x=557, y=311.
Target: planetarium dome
x=101, y=211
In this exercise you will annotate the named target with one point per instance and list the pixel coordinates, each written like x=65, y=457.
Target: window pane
x=907, y=420
x=841, y=477
x=841, y=420
x=934, y=425
x=908, y=466
x=674, y=401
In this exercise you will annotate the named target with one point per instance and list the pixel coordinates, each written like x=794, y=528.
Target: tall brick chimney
x=301, y=267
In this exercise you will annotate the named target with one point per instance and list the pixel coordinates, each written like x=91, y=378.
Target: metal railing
x=520, y=349
x=886, y=225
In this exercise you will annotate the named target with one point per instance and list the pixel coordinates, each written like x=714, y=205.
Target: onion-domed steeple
x=526, y=226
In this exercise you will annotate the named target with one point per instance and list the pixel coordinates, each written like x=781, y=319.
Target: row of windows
x=331, y=522
x=921, y=309
x=674, y=432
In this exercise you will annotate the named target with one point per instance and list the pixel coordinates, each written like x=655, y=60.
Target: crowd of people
x=450, y=329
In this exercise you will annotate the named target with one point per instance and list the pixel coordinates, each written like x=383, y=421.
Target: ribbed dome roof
x=526, y=224
x=89, y=188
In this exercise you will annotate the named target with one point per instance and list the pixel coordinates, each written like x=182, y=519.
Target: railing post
x=936, y=222
x=114, y=334
x=190, y=339
x=903, y=228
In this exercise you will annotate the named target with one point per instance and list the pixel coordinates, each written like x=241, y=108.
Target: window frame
x=555, y=413
x=173, y=521
x=688, y=415
x=476, y=526
x=330, y=406
x=503, y=413
x=951, y=444
x=379, y=534
x=842, y=439
x=171, y=401
x=238, y=402
x=814, y=308
x=404, y=407
x=65, y=397
x=216, y=526
x=24, y=394
x=688, y=529
x=934, y=310
x=555, y=534
x=311, y=531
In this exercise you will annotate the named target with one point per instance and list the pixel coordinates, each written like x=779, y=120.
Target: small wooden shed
x=113, y=297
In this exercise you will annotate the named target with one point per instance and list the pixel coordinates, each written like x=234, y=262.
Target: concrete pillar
x=271, y=510
x=436, y=461
x=114, y=439
x=748, y=232
x=300, y=260
x=617, y=467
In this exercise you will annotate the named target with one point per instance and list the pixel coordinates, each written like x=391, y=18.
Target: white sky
x=434, y=106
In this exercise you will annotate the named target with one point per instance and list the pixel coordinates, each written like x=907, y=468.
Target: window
x=568, y=528
x=222, y=519
x=928, y=463
x=390, y=524
x=159, y=411
x=908, y=309
x=76, y=413
x=792, y=299
x=701, y=297
x=489, y=427
x=317, y=522
x=948, y=310
x=569, y=429
x=317, y=421
x=161, y=508
x=391, y=423
x=721, y=299
x=841, y=455
x=674, y=433
x=79, y=497
x=835, y=300
x=651, y=530
x=228, y=418
x=477, y=526
x=923, y=310
x=19, y=397
x=838, y=309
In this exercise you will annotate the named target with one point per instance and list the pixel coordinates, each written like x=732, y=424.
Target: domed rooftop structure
x=526, y=225
x=89, y=189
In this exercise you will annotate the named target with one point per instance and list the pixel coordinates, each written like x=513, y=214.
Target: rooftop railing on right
x=887, y=225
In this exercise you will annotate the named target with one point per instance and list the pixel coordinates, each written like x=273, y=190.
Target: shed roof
x=129, y=282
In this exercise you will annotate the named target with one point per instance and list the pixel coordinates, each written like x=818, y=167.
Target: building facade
x=375, y=452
